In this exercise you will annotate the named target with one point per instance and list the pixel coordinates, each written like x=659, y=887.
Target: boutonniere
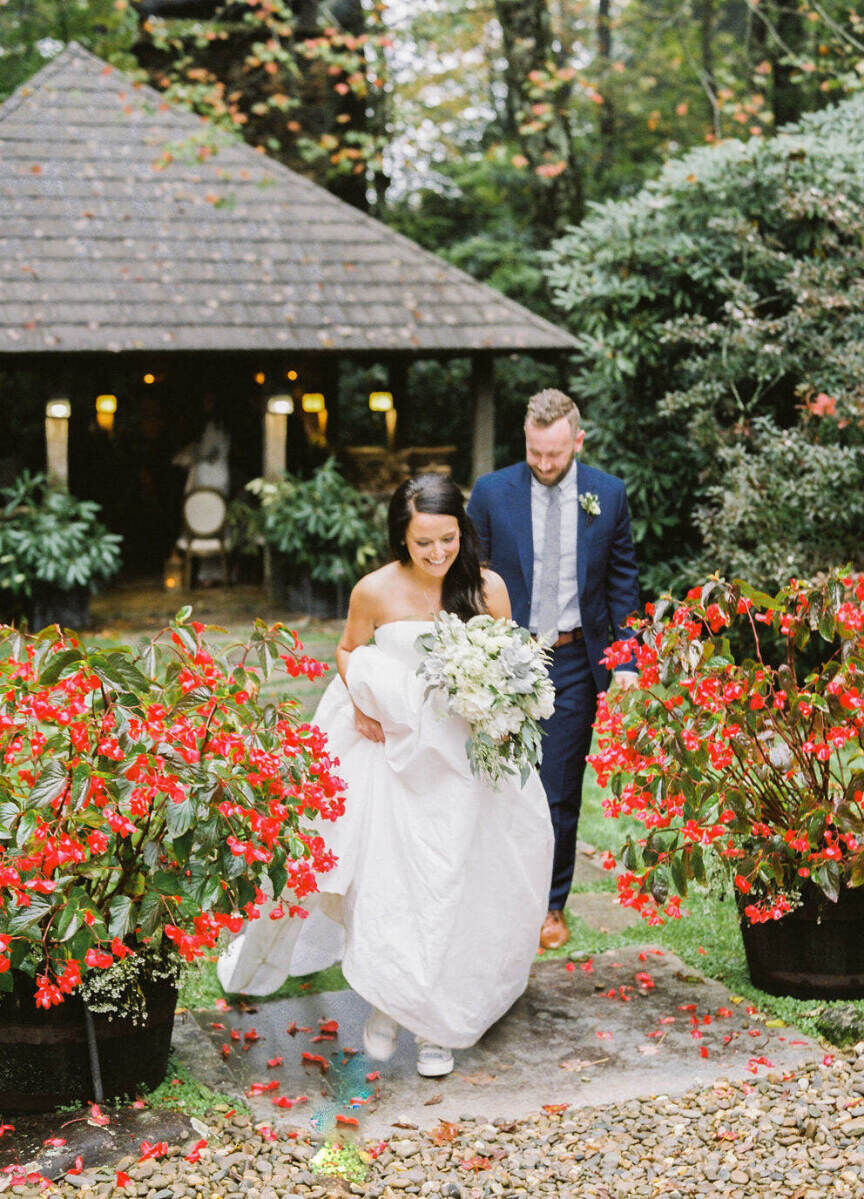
x=589, y=502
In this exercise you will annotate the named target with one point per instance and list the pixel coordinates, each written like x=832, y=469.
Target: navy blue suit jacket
x=608, y=579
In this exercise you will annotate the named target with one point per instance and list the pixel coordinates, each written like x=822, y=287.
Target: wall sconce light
x=291, y=375
x=382, y=401
x=282, y=405
x=260, y=377
x=313, y=401
x=149, y=378
x=58, y=409
x=106, y=406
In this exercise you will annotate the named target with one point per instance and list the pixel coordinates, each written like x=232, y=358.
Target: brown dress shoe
x=555, y=932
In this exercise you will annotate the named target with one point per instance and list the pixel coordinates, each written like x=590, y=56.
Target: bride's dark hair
x=438, y=495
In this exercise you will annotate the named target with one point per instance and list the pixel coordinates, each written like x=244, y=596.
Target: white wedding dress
x=436, y=903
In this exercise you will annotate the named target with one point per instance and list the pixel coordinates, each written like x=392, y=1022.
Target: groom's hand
x=367, y=727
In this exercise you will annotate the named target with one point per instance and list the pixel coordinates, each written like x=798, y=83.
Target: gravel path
x=797, y=1135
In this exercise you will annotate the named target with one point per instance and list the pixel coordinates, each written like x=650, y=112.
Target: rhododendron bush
x=149, y=798
x=742, y=745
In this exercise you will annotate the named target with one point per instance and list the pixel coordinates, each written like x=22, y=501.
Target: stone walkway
x=628, y=1074
x=625, y=1075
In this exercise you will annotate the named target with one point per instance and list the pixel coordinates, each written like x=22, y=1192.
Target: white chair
x=204, y=512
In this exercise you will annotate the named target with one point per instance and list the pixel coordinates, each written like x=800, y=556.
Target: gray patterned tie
x=547, y=614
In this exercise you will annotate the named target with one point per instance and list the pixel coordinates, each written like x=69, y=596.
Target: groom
x=558, y=533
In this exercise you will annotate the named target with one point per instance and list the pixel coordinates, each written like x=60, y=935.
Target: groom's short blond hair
x=550, y=405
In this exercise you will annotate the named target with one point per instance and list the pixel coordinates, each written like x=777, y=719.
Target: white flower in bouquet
x=493, y=674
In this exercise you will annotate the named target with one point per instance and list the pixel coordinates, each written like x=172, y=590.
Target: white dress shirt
x=569, y=616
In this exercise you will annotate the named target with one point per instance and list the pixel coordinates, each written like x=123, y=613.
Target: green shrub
x=50, y=538
x=322, y=524
x=727, y=289
x=785, y=504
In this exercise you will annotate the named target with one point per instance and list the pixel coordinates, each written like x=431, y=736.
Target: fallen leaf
x=444, y=1133
x=476, y=1163
x=261, y=1088
x=432, y=1100
x=315, y=1059
x=156, y=1150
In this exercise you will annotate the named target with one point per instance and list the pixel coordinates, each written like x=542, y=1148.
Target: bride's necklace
x=432, y=609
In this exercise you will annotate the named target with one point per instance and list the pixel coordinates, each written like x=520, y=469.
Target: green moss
x=183, y=1093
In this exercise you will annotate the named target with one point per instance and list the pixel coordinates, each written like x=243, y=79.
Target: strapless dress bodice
x=397, y=639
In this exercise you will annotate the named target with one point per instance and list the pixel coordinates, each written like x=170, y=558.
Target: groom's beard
x=551, y=480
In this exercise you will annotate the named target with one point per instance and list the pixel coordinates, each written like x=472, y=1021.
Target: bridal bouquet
x=492, y=674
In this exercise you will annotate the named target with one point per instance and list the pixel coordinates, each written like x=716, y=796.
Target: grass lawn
x=708, y=938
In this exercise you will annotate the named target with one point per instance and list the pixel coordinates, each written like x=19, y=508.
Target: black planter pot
x=297, y=591
x=44, y=1060
x=813, y=952
x=70, y=609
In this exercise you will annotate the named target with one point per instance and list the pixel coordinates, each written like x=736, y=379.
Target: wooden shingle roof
x=121, y=231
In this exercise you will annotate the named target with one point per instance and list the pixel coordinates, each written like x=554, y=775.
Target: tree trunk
x=541, y=114
x=778, y=28
x=607, y=109
x=704, y=11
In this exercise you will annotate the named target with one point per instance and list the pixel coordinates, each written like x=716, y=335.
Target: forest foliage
x=615, y=165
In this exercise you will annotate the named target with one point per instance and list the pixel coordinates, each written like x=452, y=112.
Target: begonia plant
x=741, y=746
x=149, y=799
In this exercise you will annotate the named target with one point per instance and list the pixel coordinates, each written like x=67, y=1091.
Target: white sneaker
x=433, y=1061
x=379, y=1036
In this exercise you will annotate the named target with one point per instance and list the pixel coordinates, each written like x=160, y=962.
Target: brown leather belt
x=568, y=638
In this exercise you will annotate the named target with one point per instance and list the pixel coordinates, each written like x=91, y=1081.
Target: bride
x=441, y=884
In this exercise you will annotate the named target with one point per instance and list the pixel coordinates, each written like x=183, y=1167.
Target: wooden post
x=57, y=413
x=397, y=384
x=330, y=388
x=483, y=436
x=275, y=439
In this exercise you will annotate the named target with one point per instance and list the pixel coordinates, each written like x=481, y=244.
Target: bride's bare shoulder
x=371, y=591
x=495, y=594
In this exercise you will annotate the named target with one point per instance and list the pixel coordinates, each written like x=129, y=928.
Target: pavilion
x=148, y=259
